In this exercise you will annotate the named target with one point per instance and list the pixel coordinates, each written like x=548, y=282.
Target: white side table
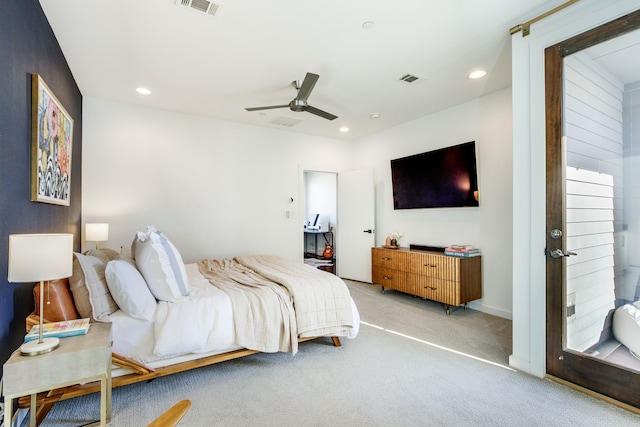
x=78, y=360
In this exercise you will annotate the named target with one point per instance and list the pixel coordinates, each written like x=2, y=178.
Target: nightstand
x=78, y=360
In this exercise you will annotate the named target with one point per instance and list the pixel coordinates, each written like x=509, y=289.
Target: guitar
x=328, y=252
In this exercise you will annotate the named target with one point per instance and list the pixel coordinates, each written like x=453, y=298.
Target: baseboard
x=520, y=365
x=491, y=310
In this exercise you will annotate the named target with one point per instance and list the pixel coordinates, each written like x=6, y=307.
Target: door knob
x=557, y=253
x=367, y=231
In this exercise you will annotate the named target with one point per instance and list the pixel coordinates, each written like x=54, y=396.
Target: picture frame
x=51, y=146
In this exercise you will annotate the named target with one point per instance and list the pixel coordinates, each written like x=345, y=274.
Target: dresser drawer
x=444, y=291
x=389, y=278
x=388, y=258
x=443, y=267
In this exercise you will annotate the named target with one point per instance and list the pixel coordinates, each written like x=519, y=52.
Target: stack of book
x=464, y=251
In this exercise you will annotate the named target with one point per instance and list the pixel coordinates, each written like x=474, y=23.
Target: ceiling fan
x=299, y=103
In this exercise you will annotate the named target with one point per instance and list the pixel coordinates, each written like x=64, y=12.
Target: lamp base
x=33, y=348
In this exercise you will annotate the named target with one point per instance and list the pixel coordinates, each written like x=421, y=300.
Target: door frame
x=303, y=204
x=572, y=366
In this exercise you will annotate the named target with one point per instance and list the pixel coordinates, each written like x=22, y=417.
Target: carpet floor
x=411, y=365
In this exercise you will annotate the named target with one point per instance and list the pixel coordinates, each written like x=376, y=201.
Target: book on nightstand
x=66, y=328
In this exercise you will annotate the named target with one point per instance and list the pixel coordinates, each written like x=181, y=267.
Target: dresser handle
x=431, y=288
x=387, y=278
x=431, y=265
x=386, y=258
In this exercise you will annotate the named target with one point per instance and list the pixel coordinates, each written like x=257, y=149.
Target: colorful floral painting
x=52, y=138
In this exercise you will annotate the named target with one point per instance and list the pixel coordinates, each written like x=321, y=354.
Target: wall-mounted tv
x=441, y=178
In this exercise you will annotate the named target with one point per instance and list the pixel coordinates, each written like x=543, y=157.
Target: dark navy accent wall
x=28, y=45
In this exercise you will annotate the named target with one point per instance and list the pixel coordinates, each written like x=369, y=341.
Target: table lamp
x=40, y=258
x=96, y=232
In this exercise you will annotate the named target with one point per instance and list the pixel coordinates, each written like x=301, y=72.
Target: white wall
x=487, y=121
x=529, y=313
x=216, y=189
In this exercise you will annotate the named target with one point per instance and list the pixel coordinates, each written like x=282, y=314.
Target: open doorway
x=320, y=219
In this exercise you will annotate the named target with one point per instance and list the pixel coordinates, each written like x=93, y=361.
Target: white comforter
x=321, y=300
x=243, y=316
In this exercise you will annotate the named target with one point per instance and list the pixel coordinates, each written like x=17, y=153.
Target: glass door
x=593, y=210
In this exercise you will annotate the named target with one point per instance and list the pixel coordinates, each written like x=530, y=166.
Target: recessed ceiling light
x=367, y=25
x=477, y=74
x=374, y=115
x=143, y=91
x=344, y=129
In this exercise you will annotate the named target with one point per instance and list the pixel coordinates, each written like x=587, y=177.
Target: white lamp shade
x=39, y=257
x=97, y=232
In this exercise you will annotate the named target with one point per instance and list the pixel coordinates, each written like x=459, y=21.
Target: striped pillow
x=161, y=265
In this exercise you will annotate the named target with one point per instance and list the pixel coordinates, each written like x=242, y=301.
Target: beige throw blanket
x=263, y=312
x=321, y=300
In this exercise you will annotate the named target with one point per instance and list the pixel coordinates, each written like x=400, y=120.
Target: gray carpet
x=411, y=365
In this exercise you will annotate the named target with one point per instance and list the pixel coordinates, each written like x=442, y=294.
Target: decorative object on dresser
x=453, y=281
x=39, y=258
x=393, y=240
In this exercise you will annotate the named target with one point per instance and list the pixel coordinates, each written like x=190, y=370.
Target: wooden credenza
x=450, y=280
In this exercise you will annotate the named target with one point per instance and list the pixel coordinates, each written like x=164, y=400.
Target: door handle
x=557, y=253
x=368, y=231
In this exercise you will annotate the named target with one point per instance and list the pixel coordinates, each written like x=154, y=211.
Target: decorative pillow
x=89, y=286
x=129, y=290
x=59, y=304
x=626, y=326
x=161, y=265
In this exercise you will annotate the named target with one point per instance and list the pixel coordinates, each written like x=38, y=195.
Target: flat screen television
x=443, y=178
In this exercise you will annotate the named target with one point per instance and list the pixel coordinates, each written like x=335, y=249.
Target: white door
x=356, y=222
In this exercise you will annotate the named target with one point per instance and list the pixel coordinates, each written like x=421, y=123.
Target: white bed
x=135, y=338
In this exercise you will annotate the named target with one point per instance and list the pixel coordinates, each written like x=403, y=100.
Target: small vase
x=394, y=242
x=388, y=241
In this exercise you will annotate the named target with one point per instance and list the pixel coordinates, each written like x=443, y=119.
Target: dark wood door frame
x=572, y=366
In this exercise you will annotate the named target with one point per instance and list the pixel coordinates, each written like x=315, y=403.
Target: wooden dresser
x=450, y=280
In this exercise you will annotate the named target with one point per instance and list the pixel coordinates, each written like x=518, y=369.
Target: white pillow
x=626, y=326
x=161, y=265
x=129, y=290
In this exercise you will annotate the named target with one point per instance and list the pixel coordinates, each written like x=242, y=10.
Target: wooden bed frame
x=140, y=372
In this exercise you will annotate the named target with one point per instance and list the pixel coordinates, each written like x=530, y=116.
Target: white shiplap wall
x=594, y=183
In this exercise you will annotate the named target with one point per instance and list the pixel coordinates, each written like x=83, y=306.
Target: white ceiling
x=248, y=54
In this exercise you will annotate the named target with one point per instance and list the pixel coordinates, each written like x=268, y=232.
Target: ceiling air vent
x=285, y=121
x=205, y=6
x=410, y=79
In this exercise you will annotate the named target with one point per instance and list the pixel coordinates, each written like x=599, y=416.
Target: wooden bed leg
x=47, y=406
x=336, y=341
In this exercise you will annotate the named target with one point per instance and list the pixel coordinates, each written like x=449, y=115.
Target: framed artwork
x=51, y=143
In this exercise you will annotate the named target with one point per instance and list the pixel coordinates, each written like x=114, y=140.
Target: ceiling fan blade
x=320, y=113
x=271, y=107
x=307, y=86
